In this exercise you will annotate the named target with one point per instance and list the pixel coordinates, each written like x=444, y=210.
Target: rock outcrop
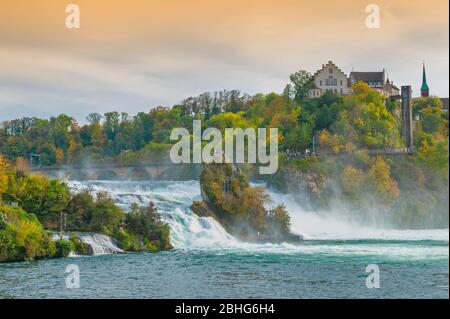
x=241, y=209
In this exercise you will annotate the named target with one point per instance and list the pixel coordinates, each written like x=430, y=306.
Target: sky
x=135, y=55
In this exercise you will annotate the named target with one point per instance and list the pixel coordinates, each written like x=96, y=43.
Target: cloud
x=134, y=56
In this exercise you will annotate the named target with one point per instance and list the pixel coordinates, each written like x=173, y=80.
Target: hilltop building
x=377, y=81
x=332, y=79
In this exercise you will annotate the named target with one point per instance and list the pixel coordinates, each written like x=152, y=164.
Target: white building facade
x=329, y=79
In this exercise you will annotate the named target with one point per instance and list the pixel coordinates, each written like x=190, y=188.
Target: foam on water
x=324, y=235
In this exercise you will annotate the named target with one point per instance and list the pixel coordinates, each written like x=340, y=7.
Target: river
x=207, y=262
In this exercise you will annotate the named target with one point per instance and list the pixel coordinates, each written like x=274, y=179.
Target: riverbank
x=39, y=206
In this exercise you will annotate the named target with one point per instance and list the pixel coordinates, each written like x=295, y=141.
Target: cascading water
x=188, y=231
x=100, y=244
x=173, y=200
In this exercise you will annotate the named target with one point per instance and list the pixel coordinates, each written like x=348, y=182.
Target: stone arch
x=77, y=176
x=107, y=175
x=139, y=174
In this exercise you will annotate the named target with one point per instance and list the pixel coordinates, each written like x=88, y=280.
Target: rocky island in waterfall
x=241, y=209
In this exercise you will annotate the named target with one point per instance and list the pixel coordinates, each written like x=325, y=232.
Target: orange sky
x=136, y=54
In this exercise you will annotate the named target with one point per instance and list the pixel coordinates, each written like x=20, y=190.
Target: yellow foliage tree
x=330, y=141
x=4, y=169
x=22, y=165
x=352, y=180
x=360, y=88
x=381, y=181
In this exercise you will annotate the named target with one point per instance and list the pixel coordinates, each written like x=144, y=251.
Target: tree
x=302, y=82
x=430, y=119
x=288, y=94
x=79, y=211
x=106, y=216
x=16, y=146
x=435, y=155
x=111, y=125
x=146, y=224
x=360, y=88
x=22, y=236
x=40, y=196
x=4, y=171
x=426, y=102
x=381, y=182
x=94, y=118
x=279, y=221
x=352, y=181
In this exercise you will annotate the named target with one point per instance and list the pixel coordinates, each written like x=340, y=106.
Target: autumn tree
x=4, y=170
x=381, y=182
x=352, y=181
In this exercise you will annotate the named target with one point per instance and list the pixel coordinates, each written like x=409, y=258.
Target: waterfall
x=100, y=244
x=173, y=199
x=189, y=231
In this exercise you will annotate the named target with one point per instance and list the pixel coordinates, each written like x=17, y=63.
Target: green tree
x=106, y=216
x=302, y=82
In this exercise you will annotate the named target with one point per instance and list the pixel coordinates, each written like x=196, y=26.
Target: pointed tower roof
x=424, y=86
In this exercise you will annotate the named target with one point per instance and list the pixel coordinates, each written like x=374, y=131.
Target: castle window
x=331, y=82
x=320, y=82
x=331, y=71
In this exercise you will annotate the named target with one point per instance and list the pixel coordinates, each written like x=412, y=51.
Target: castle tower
x=424, y=89
x=407, y=123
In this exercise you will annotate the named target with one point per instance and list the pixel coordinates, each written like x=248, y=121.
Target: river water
x=207, y=262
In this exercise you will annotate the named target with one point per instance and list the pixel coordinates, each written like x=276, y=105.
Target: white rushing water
x=189, y=231
x=99, y=243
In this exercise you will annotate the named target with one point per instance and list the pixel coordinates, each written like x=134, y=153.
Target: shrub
x=279, y=221
x=63, y=248
x=106, y=217
x=145, y=229
x=79, y=247
x=39, y=195
x=22, y=236
x=127, y=241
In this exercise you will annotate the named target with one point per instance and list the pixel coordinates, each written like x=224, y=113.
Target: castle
x=332, y=79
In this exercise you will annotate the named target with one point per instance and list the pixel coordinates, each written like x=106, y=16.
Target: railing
x=290, y=155
x=395, y=151
x=389, y=151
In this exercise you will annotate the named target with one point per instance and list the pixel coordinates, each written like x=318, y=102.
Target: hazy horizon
x=141, y=54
